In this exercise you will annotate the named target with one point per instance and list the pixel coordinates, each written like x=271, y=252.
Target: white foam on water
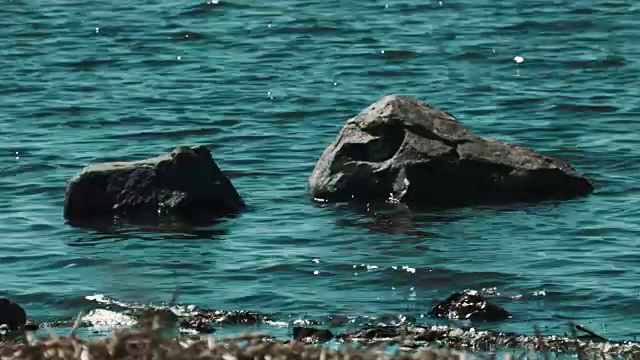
x=101, y=318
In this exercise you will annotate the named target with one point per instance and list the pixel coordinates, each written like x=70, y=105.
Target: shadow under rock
x=150, y=228
x=402, y=219
x=391, y=219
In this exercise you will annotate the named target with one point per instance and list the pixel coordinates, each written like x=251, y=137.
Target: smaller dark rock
x=429, y=336
x=235, y=317
x=186, y=183
x=308, y=334
x=469, y=305
x=198, y=323
x=12, y=315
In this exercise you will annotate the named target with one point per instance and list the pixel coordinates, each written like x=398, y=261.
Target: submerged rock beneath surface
x=402, y=150
x=186, y=183
x=309, y=334
x=12, y=315
x=469, y=305
x=408, y=336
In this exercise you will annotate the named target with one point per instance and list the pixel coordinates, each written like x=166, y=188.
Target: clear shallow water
x=267, y=86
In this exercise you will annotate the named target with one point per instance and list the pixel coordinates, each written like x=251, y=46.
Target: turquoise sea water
x=267, y=86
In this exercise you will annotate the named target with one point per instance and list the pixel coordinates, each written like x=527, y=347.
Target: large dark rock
x=469, y=305
x=186, y=182
x=402, y=150
x=12, y=315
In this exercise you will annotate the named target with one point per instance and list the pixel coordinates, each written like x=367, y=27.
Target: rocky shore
x=388, y=344
x=193, y=325
x=150, y=345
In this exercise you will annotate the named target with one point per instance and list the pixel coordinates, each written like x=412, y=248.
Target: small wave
x=390, y=73
x=469, y=55
x=103, y=299
x=610, y=61
x=188, y=35
x=585, y=108
x=291, y=115
x=531, y=25
x=584, y=11
x=20, y=89
x=135, y=120
x=398, y=54
x=202, y=9
x=367, y=40
x=174, y=134
x=107, y=319
x=87, y=64
x=160, y=62
x=315, y=30
x=71, y=110
x=519, y=101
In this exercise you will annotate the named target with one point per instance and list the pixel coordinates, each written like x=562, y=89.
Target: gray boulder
x=186, y=183
x=402, y=150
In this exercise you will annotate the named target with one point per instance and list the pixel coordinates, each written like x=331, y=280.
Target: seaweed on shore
x=410, y=343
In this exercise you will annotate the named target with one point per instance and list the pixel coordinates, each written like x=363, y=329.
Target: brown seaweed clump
x=150, y=344
x=126, y=344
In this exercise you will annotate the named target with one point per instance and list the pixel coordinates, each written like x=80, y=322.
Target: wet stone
x=198, y=323
x=469, y=305
x=309, y=334
x=401, y=150
x=186, y=184
x=375, y=332
x=236, y=317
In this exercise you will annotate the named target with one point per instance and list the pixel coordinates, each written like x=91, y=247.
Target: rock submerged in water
x=469, y=305
x=309, y=334
x=402, y=150
x=186, y=183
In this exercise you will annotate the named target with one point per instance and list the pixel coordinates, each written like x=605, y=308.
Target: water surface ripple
x=267, y=86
